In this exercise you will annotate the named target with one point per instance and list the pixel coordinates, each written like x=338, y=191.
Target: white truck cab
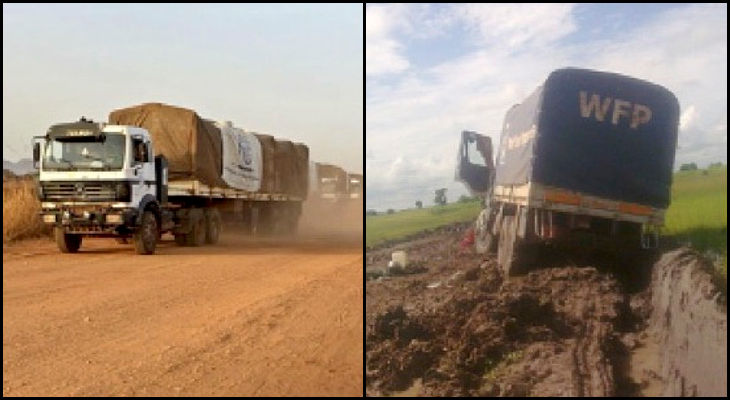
x=97, y=179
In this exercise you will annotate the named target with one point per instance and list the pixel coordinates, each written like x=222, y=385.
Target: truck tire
x=484, y=240
x=293, y=227
x=145, y=238
x=66, y=242
x=196, y=236
x=514, y=257
x=212, y=225
x=181, y=239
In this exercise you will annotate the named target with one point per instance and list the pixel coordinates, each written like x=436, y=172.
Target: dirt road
x=239, y=318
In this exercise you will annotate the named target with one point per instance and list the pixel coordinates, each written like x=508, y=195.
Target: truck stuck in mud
x=586, y=159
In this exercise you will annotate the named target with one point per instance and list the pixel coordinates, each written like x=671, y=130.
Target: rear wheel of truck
x=196, y=236
x=181, y=239
x=514, y=256
x=145, y=239
x=67, y=242
x=212, y=225
x=484, y=240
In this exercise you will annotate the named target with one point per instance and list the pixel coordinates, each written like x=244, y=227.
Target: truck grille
x=78, y=191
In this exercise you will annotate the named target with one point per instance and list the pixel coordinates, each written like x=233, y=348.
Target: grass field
x=20, y=210
x=379, y=228
x=698, y=215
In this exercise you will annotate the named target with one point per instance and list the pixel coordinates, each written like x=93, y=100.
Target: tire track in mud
x=552, y=332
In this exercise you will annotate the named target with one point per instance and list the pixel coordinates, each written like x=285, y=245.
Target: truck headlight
x=113, y=218
x=49, y=218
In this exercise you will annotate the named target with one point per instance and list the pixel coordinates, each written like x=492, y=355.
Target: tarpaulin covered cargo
x=268, y=150
x=217, y=153
x=285, y=160
x=602, y=134
x=302, y=167
x=332, y=179
x=242, y=161
x=192, y=145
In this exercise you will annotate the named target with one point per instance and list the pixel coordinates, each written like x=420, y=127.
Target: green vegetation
x=698, y=213
x=379, y=228
x=493, y=369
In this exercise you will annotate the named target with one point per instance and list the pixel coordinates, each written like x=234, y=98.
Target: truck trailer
x=157, y=169
x=587, y=158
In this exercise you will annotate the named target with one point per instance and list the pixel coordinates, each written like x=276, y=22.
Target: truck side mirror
x=36, y=154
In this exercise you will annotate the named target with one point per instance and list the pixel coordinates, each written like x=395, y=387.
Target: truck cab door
x=144, y=165
x=475, y=166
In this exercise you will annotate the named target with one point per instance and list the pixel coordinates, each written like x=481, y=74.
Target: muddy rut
x=455, y=327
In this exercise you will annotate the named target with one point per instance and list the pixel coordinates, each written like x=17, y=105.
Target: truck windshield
x=85, y=155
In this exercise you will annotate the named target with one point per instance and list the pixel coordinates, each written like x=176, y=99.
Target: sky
x=293, y=71
x=435, y=70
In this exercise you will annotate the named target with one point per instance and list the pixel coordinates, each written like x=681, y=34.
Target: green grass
x=698, y=213
x=379, y=228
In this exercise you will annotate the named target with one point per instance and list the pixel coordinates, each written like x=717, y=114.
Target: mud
x=575, y=328
x=689, y=319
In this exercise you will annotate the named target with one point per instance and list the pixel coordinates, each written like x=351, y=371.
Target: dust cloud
x=340, y=221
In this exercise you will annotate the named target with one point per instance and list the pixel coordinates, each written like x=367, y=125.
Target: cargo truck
x=354, y=186
x=328, y=182
x=586, y=159
x=155, y=169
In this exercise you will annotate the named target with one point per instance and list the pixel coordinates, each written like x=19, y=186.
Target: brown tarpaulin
x=268, y=148
x=191, y=144
x=292, y=163
x=333, y=172
x=302, y=152
x=284, y=155
x=194, y=150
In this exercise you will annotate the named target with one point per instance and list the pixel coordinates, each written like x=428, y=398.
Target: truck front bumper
x=93, y=219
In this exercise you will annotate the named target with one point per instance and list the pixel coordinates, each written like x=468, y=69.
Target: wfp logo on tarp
x=599, y=109
x=244, y=154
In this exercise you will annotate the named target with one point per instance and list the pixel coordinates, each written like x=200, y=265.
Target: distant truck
x=354, y=186
x=332, y=183
x=156, y=168
x=587, y=158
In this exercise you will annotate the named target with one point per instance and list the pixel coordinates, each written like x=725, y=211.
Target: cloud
x=383, y=52
x=517, y=25
x=687, y=117
x=413, y=121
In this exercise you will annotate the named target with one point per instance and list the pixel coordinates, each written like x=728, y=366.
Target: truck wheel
x=484, y=240
x=196, y=236
x=67, y=242
x=514, y=256
x=181, y=239
x=293, y=223
x=145, y=239
x=212, y=225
